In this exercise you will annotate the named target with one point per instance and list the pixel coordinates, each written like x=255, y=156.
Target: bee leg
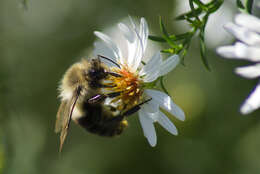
x=135, y=108
x=96, y=98
x=96, y=85
x=130, y=111
x=101, y=97
x=113, y=74
x=107, y=86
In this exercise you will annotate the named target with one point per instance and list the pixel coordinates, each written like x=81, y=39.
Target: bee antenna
x=109, y=59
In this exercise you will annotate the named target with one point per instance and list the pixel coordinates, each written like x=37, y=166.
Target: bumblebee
x=83, y=91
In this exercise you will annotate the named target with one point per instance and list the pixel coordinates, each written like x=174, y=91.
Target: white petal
x=248, y=21
x=166, y=103
x=137, y=42
x=240, y=51
x=165, y=122
x=109, y=43
x=144, y=32
x=127, y=32
x=132, y=22
x=137, y=58
x=169, y=64
x=252, y=102
x=243, y=34
x=152, y=68
x=151, y=107
x=148, y=127
x=137, y=50
x=252, y=71
x=131, y=39
x=103, y=50
x=227, y=51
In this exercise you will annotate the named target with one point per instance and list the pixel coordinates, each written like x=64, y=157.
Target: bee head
x=97, y=71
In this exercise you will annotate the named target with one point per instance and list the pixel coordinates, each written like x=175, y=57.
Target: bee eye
x=97, y=73
x=92, y=72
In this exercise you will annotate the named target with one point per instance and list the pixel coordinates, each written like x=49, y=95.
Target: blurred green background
x=39, y=41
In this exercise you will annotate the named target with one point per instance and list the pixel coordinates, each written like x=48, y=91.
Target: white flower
x=136, y=73
x=247, y=30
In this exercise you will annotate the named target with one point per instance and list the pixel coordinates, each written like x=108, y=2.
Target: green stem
x=163, y=87
x=249, y=5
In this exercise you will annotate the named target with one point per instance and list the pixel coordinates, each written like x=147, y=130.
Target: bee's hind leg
x=130, y=111
x=135, y=108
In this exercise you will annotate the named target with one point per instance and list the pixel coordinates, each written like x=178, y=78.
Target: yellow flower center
x=129, y=84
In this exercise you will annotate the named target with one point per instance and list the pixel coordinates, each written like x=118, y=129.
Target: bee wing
x=63, y=108
x=64, y=116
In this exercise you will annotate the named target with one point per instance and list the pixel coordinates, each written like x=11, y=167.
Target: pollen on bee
x=131, y=93
x=124, y=123
x=129, y=87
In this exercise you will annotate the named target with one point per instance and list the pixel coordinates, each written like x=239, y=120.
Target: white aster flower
x=247, y=30
x=136, y=73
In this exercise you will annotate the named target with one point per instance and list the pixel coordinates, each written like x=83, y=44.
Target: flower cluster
x=135, y=73
x=247, y=30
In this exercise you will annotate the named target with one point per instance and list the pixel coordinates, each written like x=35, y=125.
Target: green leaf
x=205, y=20
x=200, y=4
x=190, y=14
x=163, y=29
x=202, y=43
x=215, y=5
x=157, y=38
x=213, y=2
x=187, y=44
x=193, y=10
x=165, y=34
x=169, y=50
x=183, y=54
x=249, y=6
x=181, y=36
x=203, y=51
x=240, y=4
